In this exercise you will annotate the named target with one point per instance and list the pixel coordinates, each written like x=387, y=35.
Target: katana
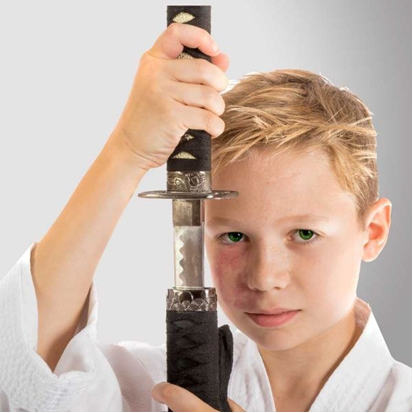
x=198, y=353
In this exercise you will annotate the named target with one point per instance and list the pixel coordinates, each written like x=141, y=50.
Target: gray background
x=65, y=75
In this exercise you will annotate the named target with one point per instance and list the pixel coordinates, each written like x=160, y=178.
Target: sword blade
x=188, y=222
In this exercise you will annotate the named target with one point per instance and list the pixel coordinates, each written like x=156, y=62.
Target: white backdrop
x=65, y=74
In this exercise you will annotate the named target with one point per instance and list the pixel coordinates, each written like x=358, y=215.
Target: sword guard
x=188, y=195
x=189, y=185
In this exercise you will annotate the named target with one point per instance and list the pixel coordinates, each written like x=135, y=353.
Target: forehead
x=281, y=183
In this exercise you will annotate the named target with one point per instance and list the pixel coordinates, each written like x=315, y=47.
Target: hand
x=179, y=399
x=171, y=95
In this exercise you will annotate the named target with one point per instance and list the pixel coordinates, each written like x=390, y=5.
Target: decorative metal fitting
x=204, y=299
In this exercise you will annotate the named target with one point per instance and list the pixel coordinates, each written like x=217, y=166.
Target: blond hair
x=301, y=110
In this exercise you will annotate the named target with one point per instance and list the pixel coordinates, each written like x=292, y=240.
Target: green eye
x=234, y=236
x=305, y=234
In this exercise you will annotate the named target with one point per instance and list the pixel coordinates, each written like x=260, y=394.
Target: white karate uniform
x=95, y=376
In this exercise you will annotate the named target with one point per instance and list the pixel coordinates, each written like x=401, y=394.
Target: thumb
x=234, y=406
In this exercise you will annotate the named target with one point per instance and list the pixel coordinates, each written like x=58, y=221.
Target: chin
x=275, y=339
x=272, y=339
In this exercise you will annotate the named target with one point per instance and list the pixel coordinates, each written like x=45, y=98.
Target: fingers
x=234, y=406
x=202, y=119
x=221, y=60
x=198, y=95
x=178, y=399
x=198, y=71
x=171, y=42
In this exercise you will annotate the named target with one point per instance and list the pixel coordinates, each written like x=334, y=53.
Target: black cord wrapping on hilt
x=193, y=153
x=195, y=348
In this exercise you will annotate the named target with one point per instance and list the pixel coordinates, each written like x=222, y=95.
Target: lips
x=273, y=320
x=278, y=310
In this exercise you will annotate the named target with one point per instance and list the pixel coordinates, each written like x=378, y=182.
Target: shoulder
x=402, y=371
x=400, y=379
x=396, y=392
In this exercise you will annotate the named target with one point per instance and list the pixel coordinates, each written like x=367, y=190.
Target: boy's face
x=268, y=262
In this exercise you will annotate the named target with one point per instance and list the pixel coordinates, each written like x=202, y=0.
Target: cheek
x=226, y=272
x=331, y=276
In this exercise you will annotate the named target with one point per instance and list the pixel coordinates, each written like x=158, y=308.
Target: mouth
x=273, y=320
x=276, y=311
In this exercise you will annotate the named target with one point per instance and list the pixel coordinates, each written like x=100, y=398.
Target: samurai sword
x=198, y=353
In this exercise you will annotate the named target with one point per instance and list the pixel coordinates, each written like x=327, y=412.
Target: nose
x=268, y=270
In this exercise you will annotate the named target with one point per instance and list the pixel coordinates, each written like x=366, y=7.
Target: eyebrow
x=295, y=218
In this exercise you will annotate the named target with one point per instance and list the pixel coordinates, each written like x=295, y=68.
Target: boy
x=293, y=145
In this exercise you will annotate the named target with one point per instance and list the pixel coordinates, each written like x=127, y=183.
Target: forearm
x=65, y=260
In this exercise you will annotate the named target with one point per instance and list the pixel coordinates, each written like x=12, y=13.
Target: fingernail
x=215, y=47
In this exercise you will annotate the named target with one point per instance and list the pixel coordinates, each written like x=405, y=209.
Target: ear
x=377, y=229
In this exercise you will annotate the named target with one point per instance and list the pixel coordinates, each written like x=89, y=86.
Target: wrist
x=118, y=165
x=118, y=149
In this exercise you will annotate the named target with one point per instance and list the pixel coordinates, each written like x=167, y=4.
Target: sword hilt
x=193, y=153
x=189, y=165
x=199, y=355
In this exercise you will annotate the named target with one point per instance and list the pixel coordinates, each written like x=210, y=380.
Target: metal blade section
x=188, y=221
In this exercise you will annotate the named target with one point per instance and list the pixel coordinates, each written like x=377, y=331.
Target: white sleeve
x=82, y=380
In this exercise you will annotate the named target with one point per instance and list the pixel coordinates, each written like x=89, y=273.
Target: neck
x=303, y=370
